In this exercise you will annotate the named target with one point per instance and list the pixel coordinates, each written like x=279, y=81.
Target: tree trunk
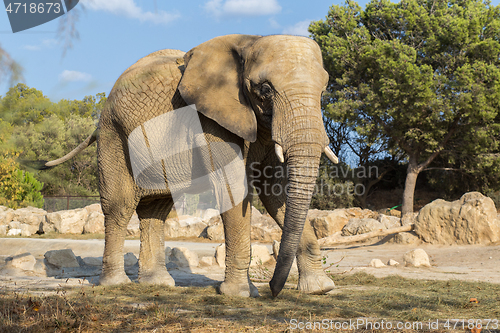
x=410, y=184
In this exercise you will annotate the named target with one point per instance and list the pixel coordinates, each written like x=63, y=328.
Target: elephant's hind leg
x=117, y=214
x=152, y=215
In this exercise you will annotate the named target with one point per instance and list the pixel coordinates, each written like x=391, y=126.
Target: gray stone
x=416, y=258
x=92, y=261
x=129, y=259
x=168, y=252
x=389, y=222
x=61, y=258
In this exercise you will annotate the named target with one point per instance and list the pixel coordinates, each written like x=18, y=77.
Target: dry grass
x=134, y=307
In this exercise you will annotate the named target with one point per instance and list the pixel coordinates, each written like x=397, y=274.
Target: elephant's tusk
x=331, y=156
x=279, y=152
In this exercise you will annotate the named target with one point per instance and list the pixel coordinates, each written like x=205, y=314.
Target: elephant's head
x=246, y=83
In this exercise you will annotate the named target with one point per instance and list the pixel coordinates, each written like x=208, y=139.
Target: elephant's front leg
x=272, y=192
x=152, y=216
x=237, y=234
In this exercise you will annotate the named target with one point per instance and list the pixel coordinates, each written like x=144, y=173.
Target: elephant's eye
x=265, y=90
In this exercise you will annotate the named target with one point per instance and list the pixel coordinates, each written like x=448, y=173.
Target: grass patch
x=135, y=307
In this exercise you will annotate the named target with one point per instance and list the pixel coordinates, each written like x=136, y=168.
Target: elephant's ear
x=212, y=81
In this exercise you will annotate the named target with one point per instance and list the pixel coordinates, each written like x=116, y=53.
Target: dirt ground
x=471, y=263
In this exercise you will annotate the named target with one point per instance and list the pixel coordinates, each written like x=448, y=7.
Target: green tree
x=414, y=74
x=52, y=138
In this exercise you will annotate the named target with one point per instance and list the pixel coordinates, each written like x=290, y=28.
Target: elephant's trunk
x=303, y=147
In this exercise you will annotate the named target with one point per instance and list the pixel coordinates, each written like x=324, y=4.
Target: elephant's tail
x=43, y=165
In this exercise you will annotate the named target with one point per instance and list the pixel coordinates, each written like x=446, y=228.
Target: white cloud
x=299, y=29
x=31, y=47
x=242, y=7
x=45, y=44
x=74, y=76
x=128, y=8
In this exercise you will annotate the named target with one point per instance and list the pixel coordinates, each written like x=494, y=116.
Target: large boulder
x=328, y=222
x=264, y=229
x=24, y=261
x=61, y=258
x=6, y=215
x=260, y=255
x=470, y=220
x=358, y=226
x=31, y=216
x=184, y=257
x=66, y=221
x=416, y=258
x=94, y=223
x=184, y=226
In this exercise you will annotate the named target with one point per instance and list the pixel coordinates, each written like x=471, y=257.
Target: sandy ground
x=471, y=263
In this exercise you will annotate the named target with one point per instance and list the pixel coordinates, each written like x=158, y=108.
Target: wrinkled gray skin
x=251, y=91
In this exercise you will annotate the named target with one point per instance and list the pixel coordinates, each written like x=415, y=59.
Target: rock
x=470, y=220
x=129, y=259
x=23, y=261
x=6, y=215
x=409, y=238
x=357, y=226
x=168, y=252
x=14, y=225
x=31, y=216
x=209, y=213
x=185, y=227
x=93, y=261
x=3, y=229
x=329, y=222
x=216, y=232
x=26, y=230
x=416, y=258
x=393, y=262
x=377, y=263
x=390, y=212
x=256, y=214
x=389, y=222
x=260, y=255
x=184, y=257
x=94, y=224
x=67, y=221
x=14, y=232
x=207, y=261
x=94, y=208
x=61, y=258
x=264, y=229
x=133, y=227
x=220, y=255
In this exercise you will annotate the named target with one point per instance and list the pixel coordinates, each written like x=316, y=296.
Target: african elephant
x=261, y=96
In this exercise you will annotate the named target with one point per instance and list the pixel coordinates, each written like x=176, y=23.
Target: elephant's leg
x=237, y=234
x=312, y=278
x=152, y=215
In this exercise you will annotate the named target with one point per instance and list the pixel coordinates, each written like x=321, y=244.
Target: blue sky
x=116, y=33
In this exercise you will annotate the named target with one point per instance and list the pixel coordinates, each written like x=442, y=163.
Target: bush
x=18, y=188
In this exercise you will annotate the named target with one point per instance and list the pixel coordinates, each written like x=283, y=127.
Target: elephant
x=257, y=96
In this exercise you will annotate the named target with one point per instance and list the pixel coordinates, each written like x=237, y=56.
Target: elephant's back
x=146, y=89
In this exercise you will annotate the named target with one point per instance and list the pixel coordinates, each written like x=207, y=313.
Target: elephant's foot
x=158, y=276
x=316, y=283
x=111, y=279
x=244, y=289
